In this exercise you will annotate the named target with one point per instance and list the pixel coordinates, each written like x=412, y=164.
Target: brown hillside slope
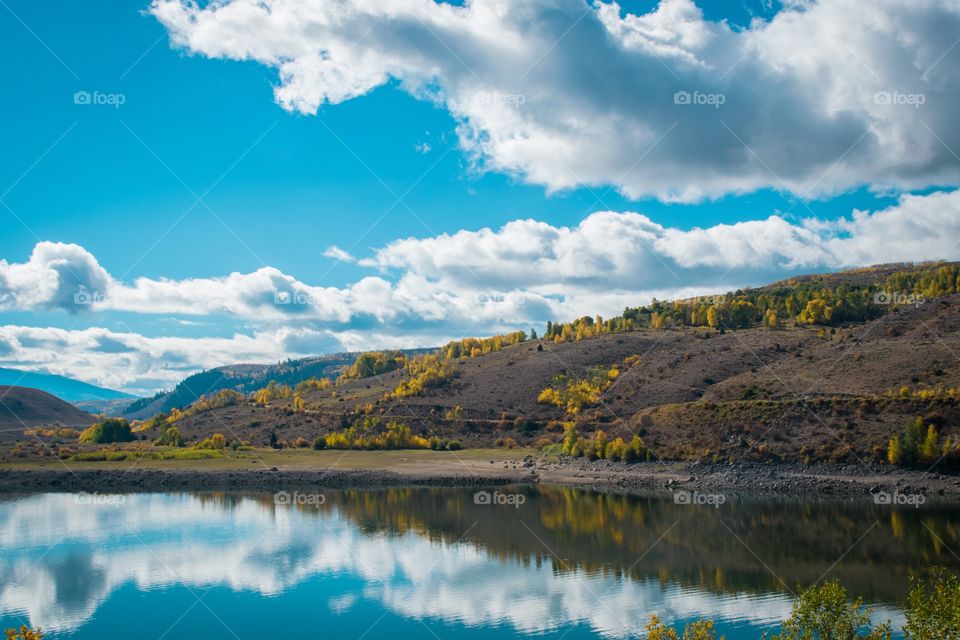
x=797, y=393
x=22, y=407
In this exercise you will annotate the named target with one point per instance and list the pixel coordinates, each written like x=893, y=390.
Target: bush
x=454, y=445
x=319, y=443
x=826, y=612
x=934, y=614
x=701, y=630
x=108, y=431
x=170, y=438
x=272, y=391
x=921, y=444
x=312, y=384
x=368, y=434
x=23, y=633
x=574, y=394
x=217, y=441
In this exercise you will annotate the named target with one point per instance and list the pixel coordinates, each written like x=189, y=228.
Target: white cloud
x=138, y=363
x=336, y=253
x=430, y=290
x=821, y=98
x=56, y=276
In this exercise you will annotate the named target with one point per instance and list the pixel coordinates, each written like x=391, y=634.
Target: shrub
x=217, y=441
x=312, y=384
x=426, y=372
x=373, y=363
x=23, y=633
x=825, y=612
x=574, y=394
x=934, y=614
x=218, y=400
x=171, y=438
x=272, y=391
x=363, y=435
x=108, y=431
x=700, y=630
x=921, y=444
x=454, y=445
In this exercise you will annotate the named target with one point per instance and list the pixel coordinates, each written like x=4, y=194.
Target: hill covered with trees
x=858, y=366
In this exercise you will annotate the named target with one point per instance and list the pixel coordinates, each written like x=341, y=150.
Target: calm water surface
x=433, y=563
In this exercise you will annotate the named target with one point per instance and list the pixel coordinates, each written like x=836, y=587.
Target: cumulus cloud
x=339, y=254
x=139, y=363
x=56, y=276
x=430, y=290
x=822, y=97
x=611, y=251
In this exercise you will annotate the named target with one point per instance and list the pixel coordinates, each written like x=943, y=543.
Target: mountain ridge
x=67, y=389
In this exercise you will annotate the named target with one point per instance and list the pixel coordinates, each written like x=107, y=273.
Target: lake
x=538, y=561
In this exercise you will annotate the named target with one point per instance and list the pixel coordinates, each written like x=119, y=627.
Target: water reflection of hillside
x=713, y=549
x=571, y=557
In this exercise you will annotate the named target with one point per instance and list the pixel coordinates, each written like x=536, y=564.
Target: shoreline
x=372, y=470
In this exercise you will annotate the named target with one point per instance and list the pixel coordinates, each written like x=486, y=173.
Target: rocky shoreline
x=775, y=480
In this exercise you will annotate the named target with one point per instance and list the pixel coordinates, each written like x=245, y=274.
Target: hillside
x=64, y=388
x=798, y=391
x=21, y=407
x=244, y=378
x=826, y=367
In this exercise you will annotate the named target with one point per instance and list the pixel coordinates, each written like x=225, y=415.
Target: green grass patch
x=123, y=456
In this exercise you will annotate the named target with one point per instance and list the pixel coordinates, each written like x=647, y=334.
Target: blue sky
x=282, y=179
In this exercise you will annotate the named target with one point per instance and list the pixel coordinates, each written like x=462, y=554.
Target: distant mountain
x=21, y=407
x=115, y=408
x=244, y=378
x=64, y=388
